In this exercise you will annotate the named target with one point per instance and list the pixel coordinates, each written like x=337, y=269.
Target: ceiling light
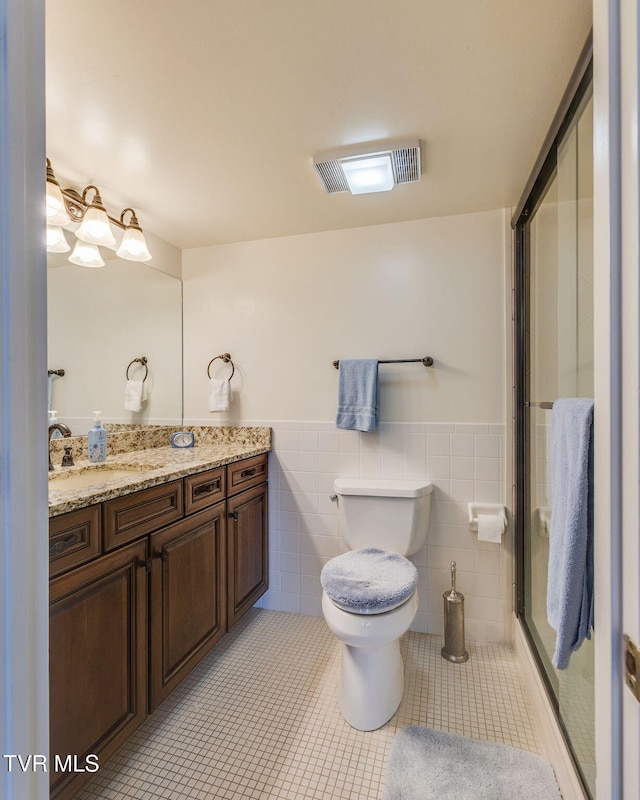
x=55, y=210
x=95, y=228
x=369, y=174
x=371, y=167
x=86, y=255
x=56, y=240
x=133, y=246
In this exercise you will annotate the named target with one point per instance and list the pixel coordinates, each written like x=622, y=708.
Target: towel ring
x=227, y=360
x=142, y=361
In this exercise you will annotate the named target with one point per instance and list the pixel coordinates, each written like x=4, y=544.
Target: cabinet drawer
x=134, y=515
x=246, y=473
x=74, y=538
x=204, y=489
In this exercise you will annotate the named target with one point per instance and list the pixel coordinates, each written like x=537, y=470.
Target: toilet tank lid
x=381, y=488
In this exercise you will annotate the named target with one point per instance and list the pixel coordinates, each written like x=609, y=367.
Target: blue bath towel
x=570, y=581
x=358, y=395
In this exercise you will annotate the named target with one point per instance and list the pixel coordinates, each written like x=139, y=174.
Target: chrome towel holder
x=143, y=362
x=426, y=361
x=227, y=360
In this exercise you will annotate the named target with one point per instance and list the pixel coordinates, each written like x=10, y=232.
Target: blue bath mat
x=425, y=764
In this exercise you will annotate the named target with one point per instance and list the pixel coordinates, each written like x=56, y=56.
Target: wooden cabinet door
x=247, y=551
x=97, y=659
x=188, y=596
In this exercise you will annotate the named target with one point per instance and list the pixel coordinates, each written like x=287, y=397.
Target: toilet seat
x=369, y=580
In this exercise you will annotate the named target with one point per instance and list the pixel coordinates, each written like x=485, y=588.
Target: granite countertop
x=147, y=468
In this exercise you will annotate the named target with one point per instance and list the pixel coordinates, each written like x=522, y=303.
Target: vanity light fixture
x=95, y=228
x=133, y=245
x=86, y=255
x=67, y=207
x=55, y=211
x=56, y=240
x=371, y=167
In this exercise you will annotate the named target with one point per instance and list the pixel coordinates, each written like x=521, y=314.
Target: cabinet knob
x=233, y=515
x=161, y=554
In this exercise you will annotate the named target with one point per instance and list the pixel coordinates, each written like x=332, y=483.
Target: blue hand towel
x=570, y=581
x=358, y=395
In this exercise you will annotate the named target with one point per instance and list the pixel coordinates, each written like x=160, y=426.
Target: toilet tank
x=389, y=514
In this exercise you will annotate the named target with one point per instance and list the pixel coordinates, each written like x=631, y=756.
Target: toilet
x=369, y=596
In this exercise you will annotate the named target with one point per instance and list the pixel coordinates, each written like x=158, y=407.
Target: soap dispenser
x=97, y=440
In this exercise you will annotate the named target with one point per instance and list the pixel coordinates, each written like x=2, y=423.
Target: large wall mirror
x=100, y=320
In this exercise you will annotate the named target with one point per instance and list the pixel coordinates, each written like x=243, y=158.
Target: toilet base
x=372, y=680
x=372, y=685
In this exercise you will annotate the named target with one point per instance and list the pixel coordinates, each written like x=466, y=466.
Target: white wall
x=286, y=308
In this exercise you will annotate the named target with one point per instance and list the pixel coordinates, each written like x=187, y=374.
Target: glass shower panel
x=560, y=364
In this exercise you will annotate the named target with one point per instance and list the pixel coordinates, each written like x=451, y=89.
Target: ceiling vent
x=404, y=155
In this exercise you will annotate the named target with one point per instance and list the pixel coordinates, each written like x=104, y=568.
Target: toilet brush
x=453, y=649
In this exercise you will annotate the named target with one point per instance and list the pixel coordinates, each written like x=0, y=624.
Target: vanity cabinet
x=247, y=551
x=142, y=587
x=97, y=659
x=188, y=597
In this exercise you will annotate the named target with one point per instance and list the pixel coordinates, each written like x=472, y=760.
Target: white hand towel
x=219, y=394
x=135, y=393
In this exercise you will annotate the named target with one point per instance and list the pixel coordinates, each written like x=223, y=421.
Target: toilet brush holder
x=454, y=649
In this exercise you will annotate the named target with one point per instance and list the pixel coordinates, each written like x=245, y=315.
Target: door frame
x=24, y=676
x=616, y=234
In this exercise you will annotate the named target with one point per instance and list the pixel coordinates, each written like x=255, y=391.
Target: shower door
x=554, y=300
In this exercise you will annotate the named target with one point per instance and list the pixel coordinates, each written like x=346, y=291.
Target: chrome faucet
x=64, y=430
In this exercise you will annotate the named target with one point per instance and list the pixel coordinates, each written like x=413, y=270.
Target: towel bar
x=426, y=361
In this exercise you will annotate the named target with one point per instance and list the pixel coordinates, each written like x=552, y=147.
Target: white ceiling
x=204, y=115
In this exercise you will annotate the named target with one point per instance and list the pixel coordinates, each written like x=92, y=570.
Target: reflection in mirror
x=99, y=320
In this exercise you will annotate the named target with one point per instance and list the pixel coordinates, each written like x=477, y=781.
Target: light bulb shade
x=133, y=246
x=86, y=255
x=369, y=173
x=56, y=240
x=95, y=228
x=55, y=209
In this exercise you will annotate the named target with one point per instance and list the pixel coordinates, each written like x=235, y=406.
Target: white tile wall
x=465, y=462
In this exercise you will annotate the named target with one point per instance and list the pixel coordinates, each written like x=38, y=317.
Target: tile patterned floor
x=258, y=718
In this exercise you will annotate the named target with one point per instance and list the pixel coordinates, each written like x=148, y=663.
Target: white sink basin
x=94, y=476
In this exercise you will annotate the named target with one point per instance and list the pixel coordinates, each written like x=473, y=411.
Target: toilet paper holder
x=491, y=509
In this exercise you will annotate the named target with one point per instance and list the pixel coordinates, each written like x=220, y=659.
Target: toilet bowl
x=372, y=672
x=369, y=597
